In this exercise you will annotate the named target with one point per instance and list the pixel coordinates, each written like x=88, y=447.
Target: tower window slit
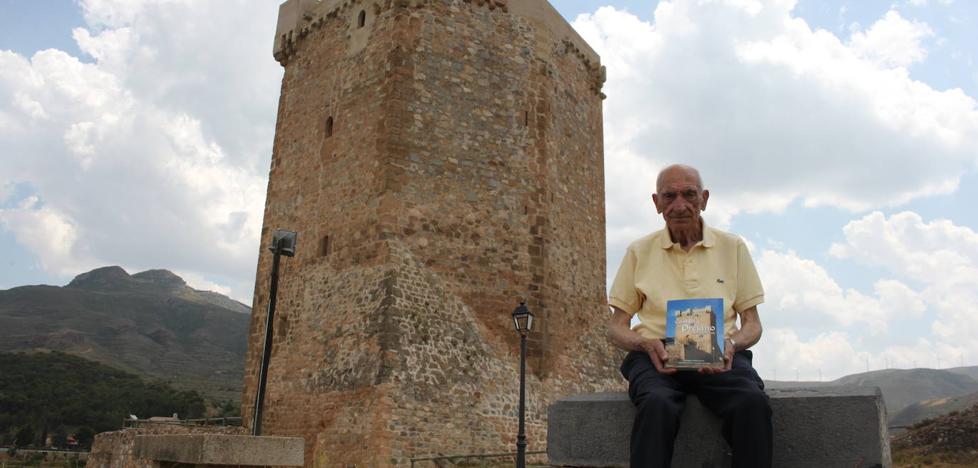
x=325, y=245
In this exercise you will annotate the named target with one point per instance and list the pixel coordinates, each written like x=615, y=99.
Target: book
x=694, y=333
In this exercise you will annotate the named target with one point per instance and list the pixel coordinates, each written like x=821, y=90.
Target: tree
x=43, y=391
x=59, y=438
x=85, y=436
x=24, y=437
x=228, y=409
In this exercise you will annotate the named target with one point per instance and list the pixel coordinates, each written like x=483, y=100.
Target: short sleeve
x=623, y=294
x=749, y=290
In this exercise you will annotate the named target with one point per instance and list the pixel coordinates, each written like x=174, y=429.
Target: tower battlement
x=297, y=18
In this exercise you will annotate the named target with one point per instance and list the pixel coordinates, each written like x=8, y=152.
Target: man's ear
x=706, y=197
x=655, y=202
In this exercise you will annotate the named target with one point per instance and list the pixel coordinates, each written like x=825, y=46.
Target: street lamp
x=523, y=321
x=283, y=243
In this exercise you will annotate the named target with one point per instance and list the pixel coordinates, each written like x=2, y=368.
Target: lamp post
x=523, y=320
x=283, y=243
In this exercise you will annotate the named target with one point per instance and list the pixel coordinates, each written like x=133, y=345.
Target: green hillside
x=58, y=394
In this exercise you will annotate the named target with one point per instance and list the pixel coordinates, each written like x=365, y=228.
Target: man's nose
x=681, y=204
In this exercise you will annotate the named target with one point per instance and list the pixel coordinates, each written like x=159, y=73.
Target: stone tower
x=442, y=160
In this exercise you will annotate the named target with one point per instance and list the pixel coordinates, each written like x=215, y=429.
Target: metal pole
x=521, y=438
x=266, y=353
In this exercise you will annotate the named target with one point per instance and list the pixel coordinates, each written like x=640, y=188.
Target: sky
x=838, y=138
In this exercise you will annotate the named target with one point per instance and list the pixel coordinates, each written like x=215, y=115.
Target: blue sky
x=839, y=138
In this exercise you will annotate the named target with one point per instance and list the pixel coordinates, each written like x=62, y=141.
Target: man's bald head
x=680, y=170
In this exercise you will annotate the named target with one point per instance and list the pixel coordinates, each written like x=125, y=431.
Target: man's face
x=680, y=199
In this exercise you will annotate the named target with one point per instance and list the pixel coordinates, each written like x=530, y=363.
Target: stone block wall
x=115, y=449
x=442, y=160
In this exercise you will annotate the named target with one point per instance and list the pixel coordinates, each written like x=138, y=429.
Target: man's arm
x=620, y=334
x=750, y=329
x=747, y=336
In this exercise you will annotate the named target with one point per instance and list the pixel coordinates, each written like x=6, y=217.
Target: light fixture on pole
x=283, y=243
x=523, y=321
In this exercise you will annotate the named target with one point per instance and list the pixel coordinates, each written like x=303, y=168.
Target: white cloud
x=803, y=295
x=920, y=314
x=927, y=252
x=783, y=355
x=45, y=231
x=923, y=3
x=153, y=156
x=812, y=323
x=771, y=111
x=892, y=41
x=938, y=255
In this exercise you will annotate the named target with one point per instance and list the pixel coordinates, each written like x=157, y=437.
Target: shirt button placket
x=689, y=271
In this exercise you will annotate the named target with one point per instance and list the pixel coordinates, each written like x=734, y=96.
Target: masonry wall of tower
x=441, y=162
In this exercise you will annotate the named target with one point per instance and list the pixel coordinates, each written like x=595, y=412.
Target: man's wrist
x=733, y=344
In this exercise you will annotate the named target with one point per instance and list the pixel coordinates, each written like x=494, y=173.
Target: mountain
x=902, y=387
x=929, y=409
x=151, y=324
x=948, y=440
x=116, y=279
x=970, y=371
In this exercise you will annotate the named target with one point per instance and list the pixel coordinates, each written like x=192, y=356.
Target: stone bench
x=169, y=450
x=813, y=427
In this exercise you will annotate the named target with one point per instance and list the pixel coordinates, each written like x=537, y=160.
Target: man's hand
x=621, y=335
x=728, y=354
x=657, y=353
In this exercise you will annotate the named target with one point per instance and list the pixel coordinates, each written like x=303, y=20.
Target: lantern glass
x=283, y=242
x=522, y=319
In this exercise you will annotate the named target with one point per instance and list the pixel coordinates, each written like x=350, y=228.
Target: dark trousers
x=736, y=396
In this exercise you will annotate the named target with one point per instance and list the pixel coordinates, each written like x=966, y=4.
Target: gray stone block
x=219, y=449
x=813, y=427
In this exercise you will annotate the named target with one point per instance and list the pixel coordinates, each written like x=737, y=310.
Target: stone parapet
x=813, y=427
x=297, y=18
x=116, y=449
x=220, y=450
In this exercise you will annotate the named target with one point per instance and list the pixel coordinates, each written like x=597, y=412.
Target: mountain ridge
x=151, y=324
x=115, y=279
x=904, y=388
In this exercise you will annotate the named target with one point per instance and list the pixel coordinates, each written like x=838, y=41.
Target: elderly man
x=689, y=260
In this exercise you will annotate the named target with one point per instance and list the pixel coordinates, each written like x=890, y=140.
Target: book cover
x=694, y=333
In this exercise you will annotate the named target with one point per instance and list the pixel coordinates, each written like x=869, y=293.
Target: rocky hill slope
x=949, y=440
x=929, y=409
x=151, y=324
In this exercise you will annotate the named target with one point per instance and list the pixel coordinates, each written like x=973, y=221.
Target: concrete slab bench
x=813, y=427
x=218, y=450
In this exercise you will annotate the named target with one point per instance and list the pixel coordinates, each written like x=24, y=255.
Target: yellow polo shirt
x=656, y=270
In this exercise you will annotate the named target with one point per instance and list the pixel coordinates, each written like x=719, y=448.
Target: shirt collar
x=709, y=237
